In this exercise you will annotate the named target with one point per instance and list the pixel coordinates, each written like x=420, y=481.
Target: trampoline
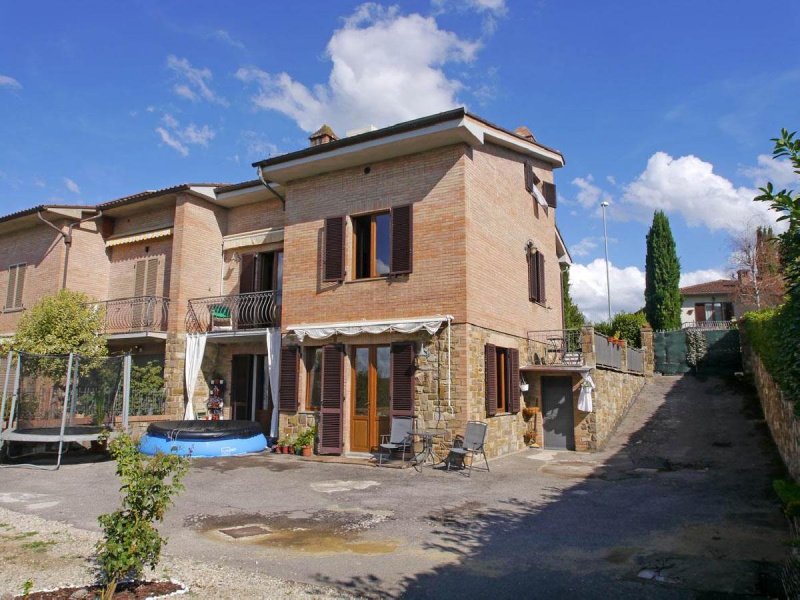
x=63, y=400
x=203, y=439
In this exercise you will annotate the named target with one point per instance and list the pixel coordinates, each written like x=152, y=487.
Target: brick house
x=405, y=267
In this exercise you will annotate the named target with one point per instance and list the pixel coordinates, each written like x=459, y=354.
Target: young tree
x=573, y=317
x=662, y=294
x=62, y=324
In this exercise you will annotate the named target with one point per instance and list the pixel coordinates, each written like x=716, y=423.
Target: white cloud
x=588, y=287
x=225, y=37
x=589, y=195
x=170, y=141
x=779, y=172
x=258, y=147
x=72, y=186
x=491, y=9
x=611, y=179
x=197, y=135
x=387, y=68
x=702, y=275
x=9, y=82
x=194, y=82
x=180, y=138
x=688, y=186
x=584, y=247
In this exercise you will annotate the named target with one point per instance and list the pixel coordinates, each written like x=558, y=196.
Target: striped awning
x=253, y=238
x=138, y=237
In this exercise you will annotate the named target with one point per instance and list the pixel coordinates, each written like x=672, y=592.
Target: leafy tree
x=662, y=294
x=624, y=326
x=130, y=540
x=573, y=317
x=756, y=257
x=60, y=324
x=787, y=203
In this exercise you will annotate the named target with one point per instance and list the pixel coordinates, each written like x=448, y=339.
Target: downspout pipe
x=269, y=187
x=67, y=237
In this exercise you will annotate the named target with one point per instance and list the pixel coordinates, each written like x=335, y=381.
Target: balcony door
x=261, y=272
x=370, y=404
x=145, y=284
x=250, y=389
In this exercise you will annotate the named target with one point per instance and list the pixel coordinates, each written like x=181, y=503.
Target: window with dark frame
x=16, y=284
x=313, y=378
x=372, y=245
x=502, y=383
x=536, y=276
x=502, y=380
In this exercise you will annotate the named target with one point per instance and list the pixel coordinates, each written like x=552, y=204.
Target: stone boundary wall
x=615, y=393
x=784, y=426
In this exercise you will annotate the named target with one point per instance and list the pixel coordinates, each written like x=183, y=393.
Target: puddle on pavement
x=231, y=463
x=318, y=532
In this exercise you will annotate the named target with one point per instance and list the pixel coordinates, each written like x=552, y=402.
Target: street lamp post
x=604, y=205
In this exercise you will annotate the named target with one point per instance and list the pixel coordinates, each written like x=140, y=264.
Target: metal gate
x=723, y=352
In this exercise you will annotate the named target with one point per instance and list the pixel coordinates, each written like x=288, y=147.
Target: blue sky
x=667, y=105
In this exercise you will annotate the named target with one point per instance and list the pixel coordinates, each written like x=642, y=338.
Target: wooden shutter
x=513, y=380
x=334, y=249
x=247, y=274
x=151, y=282
x=528, y=177
x=401, y=239
x=330, y=437
x=12, y=284
x=549, y=193
x=533, y=276
x=20, y=285
x=402, y=384
x=699, y=312
x=490, y=372
x=540, y=277
x=139, y=276
x=287, y=391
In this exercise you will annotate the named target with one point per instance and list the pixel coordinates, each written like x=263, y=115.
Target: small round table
x=426, y=454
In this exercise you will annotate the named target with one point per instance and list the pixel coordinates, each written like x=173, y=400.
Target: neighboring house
x=407, y=268
x=707, y=303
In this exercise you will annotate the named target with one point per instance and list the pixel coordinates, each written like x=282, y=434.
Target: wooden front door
x=370, y=397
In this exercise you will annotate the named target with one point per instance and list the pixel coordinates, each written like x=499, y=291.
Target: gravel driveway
x=678, y=506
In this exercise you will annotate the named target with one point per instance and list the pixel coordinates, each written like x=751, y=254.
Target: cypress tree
x=662, y=296
x=573, y=317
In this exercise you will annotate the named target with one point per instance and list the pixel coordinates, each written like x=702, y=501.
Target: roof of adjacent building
x=42, y=207
x=391, y=130
x=718, y=286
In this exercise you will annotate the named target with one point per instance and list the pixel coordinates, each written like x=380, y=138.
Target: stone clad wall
x=784, y=426
x=616, y=391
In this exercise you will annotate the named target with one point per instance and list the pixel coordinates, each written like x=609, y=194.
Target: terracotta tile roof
x=153, y=193
x=720, y=286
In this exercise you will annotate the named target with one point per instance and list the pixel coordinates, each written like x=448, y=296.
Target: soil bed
x=137, y=590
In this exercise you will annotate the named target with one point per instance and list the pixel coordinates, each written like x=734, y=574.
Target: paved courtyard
x=678, y=506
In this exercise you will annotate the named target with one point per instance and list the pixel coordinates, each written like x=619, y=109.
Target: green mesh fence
x=722, y=356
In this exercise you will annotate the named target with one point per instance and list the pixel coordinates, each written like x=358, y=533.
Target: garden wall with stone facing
x=779, y=413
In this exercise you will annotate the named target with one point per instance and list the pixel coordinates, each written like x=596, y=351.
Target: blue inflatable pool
x=203, y=439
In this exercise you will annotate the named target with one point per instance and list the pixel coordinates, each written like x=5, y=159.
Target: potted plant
x=304, y=443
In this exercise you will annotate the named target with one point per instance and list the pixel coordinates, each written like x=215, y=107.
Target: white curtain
x=274, y=370
x=585, y=398
x=195, y=348
x=319, y=332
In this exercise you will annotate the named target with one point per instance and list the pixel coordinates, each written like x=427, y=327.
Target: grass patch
x=38, y=545
x=22, y=535
x=789, y=493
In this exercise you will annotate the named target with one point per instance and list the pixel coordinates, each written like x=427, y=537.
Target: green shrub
x=130, y=540
x=789, y=493
x=625, y=326
x=773, y=334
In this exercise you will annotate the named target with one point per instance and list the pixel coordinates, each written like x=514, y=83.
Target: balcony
x=555, y=348
x=236, y=314
x=142, y=316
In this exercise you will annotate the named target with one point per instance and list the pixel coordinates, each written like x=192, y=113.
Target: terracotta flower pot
x=307, y=450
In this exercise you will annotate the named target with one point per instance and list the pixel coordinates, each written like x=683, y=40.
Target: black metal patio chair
x=399, y=439
x=474, y=438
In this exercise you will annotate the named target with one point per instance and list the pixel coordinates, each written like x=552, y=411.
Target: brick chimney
x=744, y=276
x=323, y=135
x=524, y=132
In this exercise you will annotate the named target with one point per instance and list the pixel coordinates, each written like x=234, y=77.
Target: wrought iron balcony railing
x=558, y=347
x=135, y=315
x=254, y=310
